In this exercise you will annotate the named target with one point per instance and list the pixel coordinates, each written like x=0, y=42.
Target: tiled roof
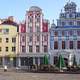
x=8, y=22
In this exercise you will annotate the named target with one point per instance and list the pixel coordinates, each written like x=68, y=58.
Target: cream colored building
x=8, y=42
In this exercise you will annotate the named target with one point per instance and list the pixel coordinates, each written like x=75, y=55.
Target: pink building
x=33, y=38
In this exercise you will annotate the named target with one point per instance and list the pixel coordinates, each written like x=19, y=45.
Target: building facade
x=33, y=37
x=8, y=42
x=65, y=37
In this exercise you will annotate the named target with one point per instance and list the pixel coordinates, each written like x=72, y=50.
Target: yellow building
x=8, y=43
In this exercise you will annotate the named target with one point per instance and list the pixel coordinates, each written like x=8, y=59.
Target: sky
x=17, y=8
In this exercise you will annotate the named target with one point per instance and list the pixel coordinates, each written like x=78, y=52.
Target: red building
x=34, y=37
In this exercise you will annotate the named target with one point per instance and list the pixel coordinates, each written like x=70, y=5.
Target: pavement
x=13, y=75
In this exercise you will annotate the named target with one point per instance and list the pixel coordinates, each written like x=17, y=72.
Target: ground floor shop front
x=21, y=60
x=38, y=59
x=68, y=56
x=29, y=60
x=10, y=62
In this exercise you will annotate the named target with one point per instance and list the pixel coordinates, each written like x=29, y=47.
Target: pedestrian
x=5, y=68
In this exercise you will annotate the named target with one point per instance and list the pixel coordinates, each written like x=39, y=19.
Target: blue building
x=65, y=36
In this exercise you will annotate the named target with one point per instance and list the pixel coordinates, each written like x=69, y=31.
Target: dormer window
x=70, y=15
x=63, y=23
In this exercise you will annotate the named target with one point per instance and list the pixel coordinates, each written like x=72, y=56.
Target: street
x=12, y=75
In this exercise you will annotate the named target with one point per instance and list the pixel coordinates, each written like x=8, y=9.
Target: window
x=0, y=40
x=45, y=48
x=41, y=60
x=55, y=33
x=30, y=29
x=5, y=31
x=23, y=49
x=78, y=23
x=30, y=48
x=62, y=15
x=23, y=38
x=14, y=40
x=63, y=23
x=0, y=30
x=30, y=18
x=63, y=33
x=37, y=29
x=37, y=49
x=70, y=23
x=78, y=15
x=78, y=44
x=45, y=38
x=67, y=15
x=63, y=44
x=70, y=33
x=13, y=49
x=70, y=15
x=7, y=40
x=78, y=32
x=30, y=38
x=71, y=44
x=37, y=18
x=55, y=44
x=6, y=49
x=0, y=49
x=38, y=37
